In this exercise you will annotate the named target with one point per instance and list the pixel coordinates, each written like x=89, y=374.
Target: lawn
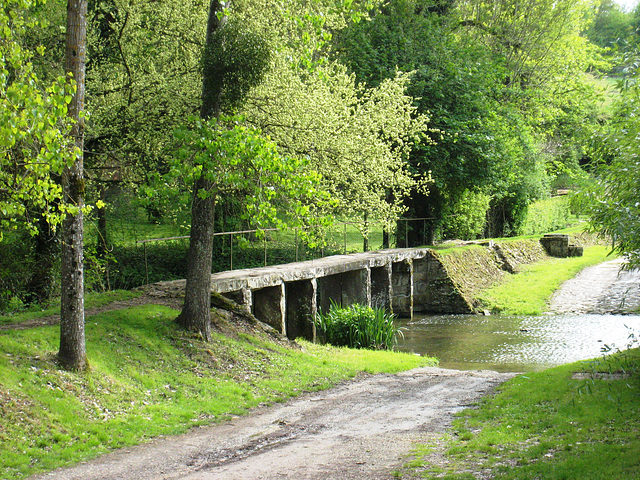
x=575, y=422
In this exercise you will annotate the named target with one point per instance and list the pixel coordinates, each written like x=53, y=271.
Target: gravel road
x=361, y=429
x=600, y=289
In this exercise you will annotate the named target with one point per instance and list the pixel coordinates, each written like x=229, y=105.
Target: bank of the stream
x=575, y=422
x=149, y=379
x=510, y=276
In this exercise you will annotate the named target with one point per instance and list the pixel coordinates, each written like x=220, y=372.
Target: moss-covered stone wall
x=448, y=281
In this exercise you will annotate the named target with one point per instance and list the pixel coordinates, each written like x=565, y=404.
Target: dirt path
x=600, y=289
x=359, y=430
x=118, y=305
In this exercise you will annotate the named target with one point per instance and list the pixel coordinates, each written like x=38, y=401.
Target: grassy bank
x=147, y=379
x=91, y=300
x=574, y=422
x=527, y=292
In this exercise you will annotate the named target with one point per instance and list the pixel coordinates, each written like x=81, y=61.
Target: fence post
x=406, y=232
x=146, y=266
x=296, y=244
x=424, y=231
x=231, y=251
x=345, y=238
x=265, y=249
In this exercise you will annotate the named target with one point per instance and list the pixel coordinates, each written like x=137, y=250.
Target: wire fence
x=343, y=237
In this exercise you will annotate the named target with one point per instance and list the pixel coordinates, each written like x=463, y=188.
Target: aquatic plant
x=358, y=326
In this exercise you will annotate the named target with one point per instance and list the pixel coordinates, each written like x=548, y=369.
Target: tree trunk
x=72, y=354
x=365, y=233
x=196, y=313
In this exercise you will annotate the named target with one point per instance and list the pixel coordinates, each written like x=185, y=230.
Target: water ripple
x=508, y=343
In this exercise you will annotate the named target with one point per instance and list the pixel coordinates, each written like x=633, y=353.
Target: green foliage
x=614, y=200
x=34, y=146
x=148, y=379
x=358, y=139
x=15, y=270
x=610, y=26
x=547, y=215
x=358, y=326
x=466, y=220
x=277, y=191
x=234, y=61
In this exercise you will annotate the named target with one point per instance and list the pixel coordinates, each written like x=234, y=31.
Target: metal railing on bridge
x=346, y=238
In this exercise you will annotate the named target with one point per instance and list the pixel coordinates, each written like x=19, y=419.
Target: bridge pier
x=402, y=288
x=301, y=308
x=381, y=290
x=346, y=288
x=269, y=306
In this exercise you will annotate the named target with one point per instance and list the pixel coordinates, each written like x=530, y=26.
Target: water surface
x=515, y=344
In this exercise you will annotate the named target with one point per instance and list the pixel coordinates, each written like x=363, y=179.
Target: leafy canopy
x=34, y=146
x=236, y=159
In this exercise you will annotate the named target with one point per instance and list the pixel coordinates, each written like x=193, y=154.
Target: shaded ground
x=55, y=319
x=359, y=430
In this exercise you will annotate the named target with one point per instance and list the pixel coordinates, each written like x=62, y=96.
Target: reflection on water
x=515, y=344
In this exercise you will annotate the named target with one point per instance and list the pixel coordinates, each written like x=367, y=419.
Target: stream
x=515, y=343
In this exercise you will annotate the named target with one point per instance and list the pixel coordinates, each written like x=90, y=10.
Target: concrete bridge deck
x=288, y=296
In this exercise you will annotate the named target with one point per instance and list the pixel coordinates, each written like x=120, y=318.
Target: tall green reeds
x=357, y=326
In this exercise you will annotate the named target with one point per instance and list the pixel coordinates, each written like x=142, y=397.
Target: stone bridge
x=288, y=296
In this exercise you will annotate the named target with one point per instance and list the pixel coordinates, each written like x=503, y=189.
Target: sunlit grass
x=528, y=292
x=548, y=425
x=148, y=378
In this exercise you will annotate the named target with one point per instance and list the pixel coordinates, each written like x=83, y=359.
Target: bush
x=16, y=265
x=358, y=326
x=546, y=215
x=468, y=216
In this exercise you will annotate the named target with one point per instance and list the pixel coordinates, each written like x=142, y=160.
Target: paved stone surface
x=600, y=289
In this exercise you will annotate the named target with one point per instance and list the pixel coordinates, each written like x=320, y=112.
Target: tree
x=611, y=25
x=614, y=199
x=357, y=138
x=497, y=86
x=455, y=83
x=72, y=354
x=33, y=141
x=233, y=62
x=34, y=145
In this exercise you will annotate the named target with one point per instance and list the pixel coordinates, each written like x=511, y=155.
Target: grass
x=547, y=425
x=91, y=300
x=527, y=292
x=358, y=326
x=148, y=378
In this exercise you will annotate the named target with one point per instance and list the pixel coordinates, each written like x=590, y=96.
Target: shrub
x=358, y=326
x=468, y=216
x=546, y=215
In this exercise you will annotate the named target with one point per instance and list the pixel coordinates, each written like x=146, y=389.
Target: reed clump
x=358, y=326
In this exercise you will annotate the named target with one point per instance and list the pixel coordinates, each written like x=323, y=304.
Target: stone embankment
x=467, y=270
x=474, y=266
